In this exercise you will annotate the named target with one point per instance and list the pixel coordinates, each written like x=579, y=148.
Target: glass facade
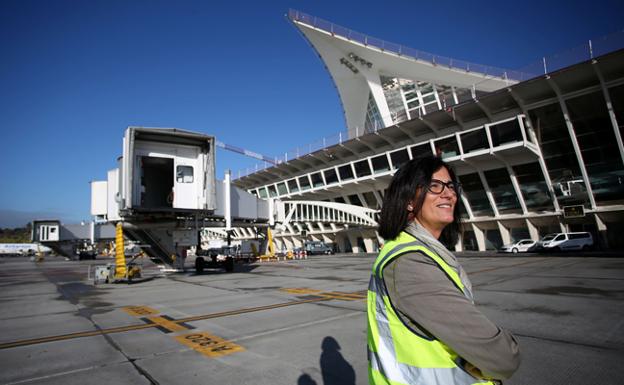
x=561, y=162
x=346, y=172
x=506, y=132
x=598, y=145
x=533, y=187
x=503, y=191
x=474, y=140
x=330, y=176
x=399, y=157
x=373, y=120
x=475, y=193
x=380, y=164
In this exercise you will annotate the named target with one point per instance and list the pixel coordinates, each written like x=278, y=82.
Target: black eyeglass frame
x=453, y=186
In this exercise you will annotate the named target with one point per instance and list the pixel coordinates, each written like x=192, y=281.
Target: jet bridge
x=163, y=192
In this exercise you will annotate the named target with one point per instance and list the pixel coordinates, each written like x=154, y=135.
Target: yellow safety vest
x=396, y=353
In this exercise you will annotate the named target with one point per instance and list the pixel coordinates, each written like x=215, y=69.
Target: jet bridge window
x=184, y=174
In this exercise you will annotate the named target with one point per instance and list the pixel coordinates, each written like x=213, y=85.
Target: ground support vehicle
x=566, y=242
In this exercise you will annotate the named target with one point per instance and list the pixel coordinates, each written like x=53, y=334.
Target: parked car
x=317, y=247
x=566, y=241
x=521, y=246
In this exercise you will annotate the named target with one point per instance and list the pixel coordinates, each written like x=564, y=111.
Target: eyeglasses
x=437, y=187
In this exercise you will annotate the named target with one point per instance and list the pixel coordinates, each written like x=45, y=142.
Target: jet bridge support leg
x=120, y=253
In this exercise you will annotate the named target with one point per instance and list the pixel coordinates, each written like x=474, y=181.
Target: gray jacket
x=429, y=302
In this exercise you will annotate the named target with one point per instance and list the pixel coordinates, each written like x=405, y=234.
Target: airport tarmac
x=297, y=322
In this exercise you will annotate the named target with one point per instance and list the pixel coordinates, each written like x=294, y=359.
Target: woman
x=423, y=327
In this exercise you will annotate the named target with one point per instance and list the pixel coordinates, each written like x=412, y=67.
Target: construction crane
x=242, y=151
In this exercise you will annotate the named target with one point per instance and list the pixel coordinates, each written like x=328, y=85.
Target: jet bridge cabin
x=163, y=171
x=166, y=171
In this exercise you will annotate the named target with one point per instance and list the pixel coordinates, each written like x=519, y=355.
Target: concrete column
x=603, y=242
x=459, y=246
x=354, y=242
x=505, y=233
x=288, y=242
x=532, y=230
x=368, y=244
x=480, y=236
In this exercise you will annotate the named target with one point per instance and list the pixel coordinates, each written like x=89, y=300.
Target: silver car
x=521, y=246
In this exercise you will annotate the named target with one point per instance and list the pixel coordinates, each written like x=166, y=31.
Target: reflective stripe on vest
x=397, y=354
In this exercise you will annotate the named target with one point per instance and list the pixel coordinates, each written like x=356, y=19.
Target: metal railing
x=398, y=49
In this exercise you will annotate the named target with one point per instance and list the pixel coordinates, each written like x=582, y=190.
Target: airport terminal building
x=536, y=152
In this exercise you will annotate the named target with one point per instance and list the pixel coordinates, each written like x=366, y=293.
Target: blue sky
x=75, y=74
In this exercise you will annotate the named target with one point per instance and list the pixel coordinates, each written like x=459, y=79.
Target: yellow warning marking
x=301, y=290
x=167, y=324
x=139, y=311
x=342, y=296
x=209, y=345
x=326, y=294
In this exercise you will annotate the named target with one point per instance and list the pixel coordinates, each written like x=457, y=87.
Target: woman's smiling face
x=437, y=209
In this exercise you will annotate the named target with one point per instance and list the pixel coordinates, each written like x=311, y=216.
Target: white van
x=567, y=241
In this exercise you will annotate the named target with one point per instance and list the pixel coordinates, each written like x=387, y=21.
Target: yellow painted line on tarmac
x=300, y=290
x=326, y=294
x=140, y=311
x=70, y=336
x=62, y=337
x=208, y=344
x=168, y=324
x=343, y=296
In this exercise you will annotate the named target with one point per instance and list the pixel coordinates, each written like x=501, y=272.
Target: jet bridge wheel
x=199, y=265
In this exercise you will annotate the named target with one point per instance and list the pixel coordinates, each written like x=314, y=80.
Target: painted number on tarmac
x=140, y=311
x=209, y=345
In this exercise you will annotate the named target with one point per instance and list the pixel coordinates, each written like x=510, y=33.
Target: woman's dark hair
x=404, y=186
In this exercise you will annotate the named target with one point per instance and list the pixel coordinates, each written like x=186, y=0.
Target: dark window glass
x=380, y=163
x=617, y=101
x=561, y=162
x=399, y=157
x=421, y=150
x=474, y=140
x=505, y=197
x=262, y=192
x=317, y=179
x=599, y=149
x=362, y=168
x=447, y=147
x=470, y=241
x=281, y=188
x=339, y=200
x=304, y=182
x=355, y=200
x=330, y=176
x=272, y=191
x=292, y=186
x=506, y=132
x=518, y=233
x=371, y=202
x=475, y=193
x=533, y=187
x=493, y=240
x=346, y=172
